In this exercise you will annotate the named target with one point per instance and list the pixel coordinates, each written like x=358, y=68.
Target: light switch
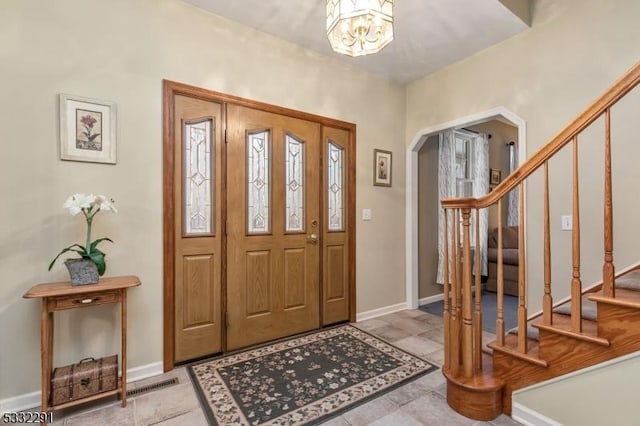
x=566, y=222
x=366, y=214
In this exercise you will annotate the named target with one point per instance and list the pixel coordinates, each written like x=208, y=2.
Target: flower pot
x=82, y=271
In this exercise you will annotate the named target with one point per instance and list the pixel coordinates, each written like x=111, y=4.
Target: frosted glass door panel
x=198, y=175
x=259, y=182
x=335, y=187
x=294, y=184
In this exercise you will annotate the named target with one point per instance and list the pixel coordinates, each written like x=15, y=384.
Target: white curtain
x=479, y=174
x=512, y=212
x=446, y=189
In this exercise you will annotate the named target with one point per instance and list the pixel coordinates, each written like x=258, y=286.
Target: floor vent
x=152, y=387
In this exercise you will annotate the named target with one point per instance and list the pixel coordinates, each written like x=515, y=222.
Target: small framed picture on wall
x=87, y=130
x=381, y=167
x=495, y=176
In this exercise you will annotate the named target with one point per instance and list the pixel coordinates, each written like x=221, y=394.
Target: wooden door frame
x=170, y=90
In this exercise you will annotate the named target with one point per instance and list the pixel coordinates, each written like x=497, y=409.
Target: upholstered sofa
x=509, y=260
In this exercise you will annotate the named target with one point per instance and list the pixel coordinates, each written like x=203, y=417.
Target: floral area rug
x=302, y=380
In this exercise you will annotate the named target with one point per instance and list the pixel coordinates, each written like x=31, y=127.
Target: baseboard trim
x=32, y=399
x=529, y=417
x=431, y=299
x=362, y=316
x=144, y=371
x=20, y=402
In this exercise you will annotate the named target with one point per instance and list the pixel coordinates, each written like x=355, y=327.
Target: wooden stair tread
x=561, y=324
x=511, y=348
x=624, y=297
x=480, y=381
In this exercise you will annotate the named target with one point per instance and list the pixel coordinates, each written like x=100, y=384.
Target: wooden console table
x=63, y=295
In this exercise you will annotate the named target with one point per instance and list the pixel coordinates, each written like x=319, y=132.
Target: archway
x=411, y=227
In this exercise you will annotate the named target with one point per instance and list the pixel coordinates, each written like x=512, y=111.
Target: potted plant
x=91, y=263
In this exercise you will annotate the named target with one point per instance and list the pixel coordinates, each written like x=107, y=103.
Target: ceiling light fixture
x=359, y=27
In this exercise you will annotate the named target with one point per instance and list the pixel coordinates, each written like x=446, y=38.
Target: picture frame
x=382, y=167
x=87, y=130
x=495, y=176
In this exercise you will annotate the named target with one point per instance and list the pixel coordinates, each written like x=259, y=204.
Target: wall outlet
x=566, y=222
x=366, y=214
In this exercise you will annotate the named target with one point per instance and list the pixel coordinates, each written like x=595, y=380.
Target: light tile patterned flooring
x=420, y=402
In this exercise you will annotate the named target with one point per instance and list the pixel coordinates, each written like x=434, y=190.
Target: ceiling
x=428, y=34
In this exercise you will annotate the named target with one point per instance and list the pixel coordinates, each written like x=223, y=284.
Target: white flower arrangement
x=89, y=205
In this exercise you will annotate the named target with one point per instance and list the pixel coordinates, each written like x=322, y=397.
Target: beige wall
x=120, y=51
x=578, y=398
x=548, y=75
x=428, y=218
x=501, y=133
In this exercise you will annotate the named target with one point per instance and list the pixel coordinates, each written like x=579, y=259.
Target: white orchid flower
x=89, y=206
x=106, y=204
x=76, y=202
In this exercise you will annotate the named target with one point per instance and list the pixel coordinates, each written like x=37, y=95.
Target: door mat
x=302, y=380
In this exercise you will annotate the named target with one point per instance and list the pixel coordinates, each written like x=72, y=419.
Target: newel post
x=467, y=323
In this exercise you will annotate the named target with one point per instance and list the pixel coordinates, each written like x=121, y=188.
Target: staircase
x=597, y=324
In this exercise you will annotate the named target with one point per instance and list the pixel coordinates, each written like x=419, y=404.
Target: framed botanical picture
x=87, y=130
x=495, y=176
x=381, y=167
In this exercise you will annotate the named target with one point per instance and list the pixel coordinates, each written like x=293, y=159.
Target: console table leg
x=123, y=306
x=46, y=352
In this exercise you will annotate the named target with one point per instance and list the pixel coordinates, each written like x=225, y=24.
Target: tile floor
x=420, y=402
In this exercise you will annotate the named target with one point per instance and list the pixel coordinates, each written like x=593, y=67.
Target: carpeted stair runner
x=630, y=281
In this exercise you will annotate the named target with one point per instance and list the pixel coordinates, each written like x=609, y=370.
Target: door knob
x=313, y=239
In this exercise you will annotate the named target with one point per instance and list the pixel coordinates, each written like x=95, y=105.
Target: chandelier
x=359, y=27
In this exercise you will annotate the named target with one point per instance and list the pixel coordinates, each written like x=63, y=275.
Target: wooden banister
x=463, y=363
x=588, y=116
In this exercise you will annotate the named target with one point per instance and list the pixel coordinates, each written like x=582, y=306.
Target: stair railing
x=463, y=315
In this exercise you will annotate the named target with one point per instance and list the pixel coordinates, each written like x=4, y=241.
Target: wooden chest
x=87, y=377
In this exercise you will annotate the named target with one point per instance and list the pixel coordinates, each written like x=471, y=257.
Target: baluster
x=500, y=283
x=522, y=288
x=446, y=316
x=455, y=308
x=547, y=301
x=477, y=320
x=608, y=269
x=576, y=283
x=467, y=300
x=459, y=268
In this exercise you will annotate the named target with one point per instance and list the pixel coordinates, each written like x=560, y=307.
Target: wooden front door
x=273, y=226
x=259, y=224
x=198, y=231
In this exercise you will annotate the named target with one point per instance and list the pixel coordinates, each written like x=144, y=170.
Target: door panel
x=335, y=286
x=197, y=200
x=273, y=181
x=336, y=269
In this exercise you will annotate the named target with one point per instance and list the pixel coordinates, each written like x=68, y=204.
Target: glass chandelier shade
x=359, y=27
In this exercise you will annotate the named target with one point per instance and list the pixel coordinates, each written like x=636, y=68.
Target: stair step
x=511, y=348
x=565, y=329
x=483, y=380
x=624, y=297
x=589, y=308
x=479, y=396
x=629, y=280
x=532, y=332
